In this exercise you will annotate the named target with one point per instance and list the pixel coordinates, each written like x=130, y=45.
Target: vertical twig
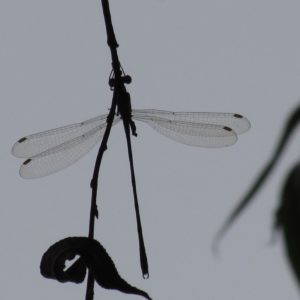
x=112, y=43
x=94, y=187
x=120, y=96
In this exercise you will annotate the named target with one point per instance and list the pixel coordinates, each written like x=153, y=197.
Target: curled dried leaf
x=53, y=262
x=93, y=256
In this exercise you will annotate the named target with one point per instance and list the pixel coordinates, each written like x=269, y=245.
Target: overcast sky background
x=231, y=56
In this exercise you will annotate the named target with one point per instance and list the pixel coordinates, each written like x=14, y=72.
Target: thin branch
x=94, y=187
x=119, y=101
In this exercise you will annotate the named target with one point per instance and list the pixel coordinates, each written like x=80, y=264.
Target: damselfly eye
x=111, y=82
x=127, y=79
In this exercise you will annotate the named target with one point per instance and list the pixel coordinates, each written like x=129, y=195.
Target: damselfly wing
x=50, y=151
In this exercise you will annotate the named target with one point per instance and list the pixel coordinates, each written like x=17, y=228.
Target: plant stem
x=119, y=86
x=120, y=100
x=94, y=187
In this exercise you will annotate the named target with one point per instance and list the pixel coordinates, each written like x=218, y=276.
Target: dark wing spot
x=238, y=116
x=26, y=162
x=227, y=128
x=22, y=140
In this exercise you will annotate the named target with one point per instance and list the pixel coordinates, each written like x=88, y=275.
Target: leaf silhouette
x=289, y=127
x=92, y=256
x=288, y=219
x=53, y=262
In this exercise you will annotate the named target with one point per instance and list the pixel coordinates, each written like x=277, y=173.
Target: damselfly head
x=125, y=79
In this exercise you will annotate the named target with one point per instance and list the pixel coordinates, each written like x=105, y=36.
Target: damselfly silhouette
x=50, y=151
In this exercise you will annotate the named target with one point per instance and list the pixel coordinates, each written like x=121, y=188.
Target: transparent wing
x=39, y=142
x=237, y=122
x=195, y=129
x=63, y=155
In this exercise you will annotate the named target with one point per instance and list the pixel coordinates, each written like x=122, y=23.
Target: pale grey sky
x=231, y=56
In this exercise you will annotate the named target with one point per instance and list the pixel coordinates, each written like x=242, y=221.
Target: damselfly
x=50, y=151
